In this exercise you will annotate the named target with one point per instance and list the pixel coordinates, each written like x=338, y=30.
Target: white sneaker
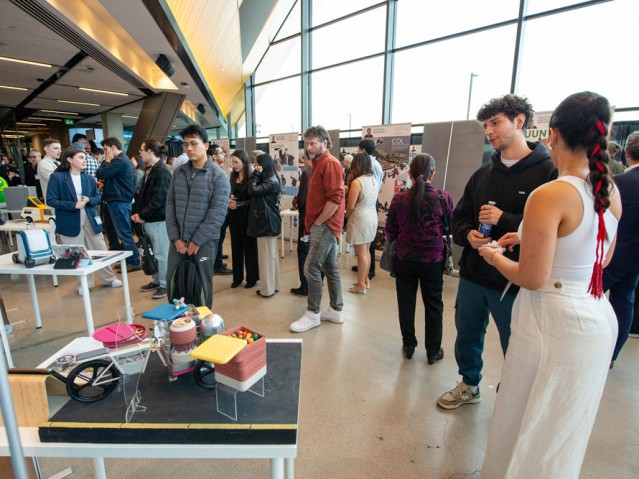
x=331, y=315
x=116, y=283
x=80, y=292
x=310, y=320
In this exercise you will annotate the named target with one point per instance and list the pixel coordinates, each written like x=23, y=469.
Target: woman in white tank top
x=563, y=329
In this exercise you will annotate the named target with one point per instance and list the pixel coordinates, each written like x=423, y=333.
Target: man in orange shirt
x=324, y=221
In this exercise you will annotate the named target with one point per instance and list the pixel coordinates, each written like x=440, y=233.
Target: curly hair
x=509, y=105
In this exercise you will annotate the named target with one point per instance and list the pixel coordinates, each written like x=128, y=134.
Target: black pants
x=302, y=251
x=430, y=278
x=243, y=247
x=219, y=264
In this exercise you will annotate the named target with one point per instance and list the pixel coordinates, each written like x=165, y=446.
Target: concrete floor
x=365, y=411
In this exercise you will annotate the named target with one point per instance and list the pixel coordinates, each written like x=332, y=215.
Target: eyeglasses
x=192, y=144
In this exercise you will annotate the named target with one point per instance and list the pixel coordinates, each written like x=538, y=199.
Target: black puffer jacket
x=264, y=212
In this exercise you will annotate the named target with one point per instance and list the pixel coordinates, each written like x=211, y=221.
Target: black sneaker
x=160, y=293
x=354, y=268
x=130, y=268
x=149, y=287
x=225, y=256
x=223, y=271
x=299, y=291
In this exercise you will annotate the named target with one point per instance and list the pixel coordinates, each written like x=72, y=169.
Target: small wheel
x=29, y=263
x=51, y=259
x=92, y=381
x=14, y=257
x=29, y=219
x=204, y=375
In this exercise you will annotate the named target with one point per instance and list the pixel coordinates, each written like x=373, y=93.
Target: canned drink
x=486, y=229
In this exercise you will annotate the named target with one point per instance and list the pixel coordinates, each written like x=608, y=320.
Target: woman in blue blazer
x=73, y=194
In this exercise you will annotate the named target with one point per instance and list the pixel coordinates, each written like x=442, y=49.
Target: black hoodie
x=509, y=188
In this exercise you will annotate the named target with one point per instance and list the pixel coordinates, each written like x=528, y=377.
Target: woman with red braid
x=563, y=328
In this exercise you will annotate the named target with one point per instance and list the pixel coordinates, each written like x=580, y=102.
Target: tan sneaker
x=458, y=396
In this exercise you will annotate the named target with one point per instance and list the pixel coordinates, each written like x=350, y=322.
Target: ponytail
x=421, y=168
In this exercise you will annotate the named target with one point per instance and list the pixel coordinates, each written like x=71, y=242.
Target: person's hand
x=136, y=219
x=232, y=204
x=81, y=203
x=509, y=240
x=192, y=249
x=258, y=168
x=180, y=246
x=476, y=239
x=489, y=214
x=100, y=184
x=489, y=254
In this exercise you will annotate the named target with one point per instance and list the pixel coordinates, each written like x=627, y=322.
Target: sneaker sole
x=336, y=321
x=149, y=290
x=474, y=400
x=304, y=330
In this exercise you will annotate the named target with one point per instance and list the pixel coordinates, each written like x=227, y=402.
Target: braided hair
x=582, y=120
x=421, y=167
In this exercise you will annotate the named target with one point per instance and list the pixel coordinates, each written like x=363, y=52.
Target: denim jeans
x=622, y=299
x=472, y=306
x=121, y=218
x=322, y=257
x=156, y=231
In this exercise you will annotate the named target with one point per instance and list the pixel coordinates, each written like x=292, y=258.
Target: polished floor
x=365, y=411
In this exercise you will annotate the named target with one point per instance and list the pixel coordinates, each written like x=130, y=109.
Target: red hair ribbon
x=601, y=128
x=595, y=151
x=595, y=288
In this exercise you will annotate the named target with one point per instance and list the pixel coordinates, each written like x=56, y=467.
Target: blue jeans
x=472, y=306
x=156, y=231
x=322, y=257
x=622, y=299
x=121, y=218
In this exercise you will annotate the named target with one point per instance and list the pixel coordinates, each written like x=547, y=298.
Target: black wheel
x=29, y=263
x=29, y=219
x=204, y=375
x=51, y=259
x=92, y=381
x=14, y=257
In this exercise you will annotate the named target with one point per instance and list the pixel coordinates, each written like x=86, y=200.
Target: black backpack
x=186, y=283
x=148, y=260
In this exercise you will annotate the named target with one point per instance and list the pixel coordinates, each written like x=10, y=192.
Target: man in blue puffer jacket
x=196, y=207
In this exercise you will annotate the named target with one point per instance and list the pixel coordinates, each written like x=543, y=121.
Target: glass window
x=283, y=59
x=355, y=37
x=348, y=96
x=537, y=6
x=432, y=82
x=278, y=107
x=564, y=54
x=293, y=23
x=241, y=126
x=327, y=10
x=418, y=21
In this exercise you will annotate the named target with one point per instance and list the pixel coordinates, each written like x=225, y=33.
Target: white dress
x=556, y=365
x=362, y=223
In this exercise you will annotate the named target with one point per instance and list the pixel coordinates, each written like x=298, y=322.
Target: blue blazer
x=61, y=195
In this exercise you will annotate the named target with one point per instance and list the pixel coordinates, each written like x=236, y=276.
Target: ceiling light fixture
x=127, y=116
x=27, y=62
x=107, y=92
x=28, y=123
x=44, y=118
x=60, y=112
x=13, y=87
x=77, y=102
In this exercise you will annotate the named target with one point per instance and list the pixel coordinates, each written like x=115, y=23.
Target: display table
x=180, y=421
x=102, y=260
x=292, y=216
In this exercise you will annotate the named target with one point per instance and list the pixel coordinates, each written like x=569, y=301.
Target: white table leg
x=282, y=233
x=277, y=468
x=125, y=287
x=290, y=236
x=34, y=301
x=88, y=313
x=98, y=468
x=289, y=468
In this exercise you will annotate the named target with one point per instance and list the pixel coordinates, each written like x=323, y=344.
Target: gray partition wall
x=458, y=149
